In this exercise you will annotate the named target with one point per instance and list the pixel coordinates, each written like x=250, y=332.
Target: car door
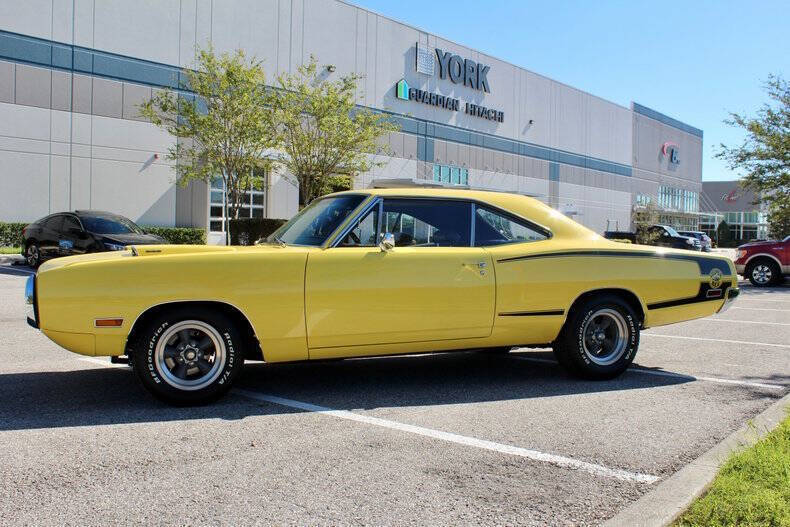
x=72, y=238
x=432, y=285
x=50, y=232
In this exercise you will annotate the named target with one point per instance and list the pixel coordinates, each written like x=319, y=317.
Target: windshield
x=313, y=225
x=110, y=225
x=671, y=231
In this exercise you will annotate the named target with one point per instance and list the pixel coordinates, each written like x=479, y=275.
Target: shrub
x=179, y=235
x=11, y=234
x=246, y=231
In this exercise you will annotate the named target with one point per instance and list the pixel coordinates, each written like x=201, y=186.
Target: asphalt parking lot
x=441, y=439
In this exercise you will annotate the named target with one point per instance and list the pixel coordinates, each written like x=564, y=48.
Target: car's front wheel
x=763, y=273
x=188, y=356
x=600, y=338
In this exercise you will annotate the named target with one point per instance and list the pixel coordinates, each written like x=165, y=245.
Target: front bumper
x=31, y=301
x=731, y=294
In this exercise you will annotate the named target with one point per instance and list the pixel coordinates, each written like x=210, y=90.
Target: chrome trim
x=472, y=237
x=30, y=290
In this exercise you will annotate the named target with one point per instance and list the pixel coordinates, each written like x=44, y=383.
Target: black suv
x=666, y=236
x=79, y=232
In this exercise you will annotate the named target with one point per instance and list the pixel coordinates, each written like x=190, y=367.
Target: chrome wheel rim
x=762, y=274
x=32, y=255
x=605, y=336
x=190, y=355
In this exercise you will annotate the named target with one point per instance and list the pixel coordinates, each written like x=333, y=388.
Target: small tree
x=322, y=133
x=723, y=235
x=643, y=217
x=765, y=154
x=224, y=130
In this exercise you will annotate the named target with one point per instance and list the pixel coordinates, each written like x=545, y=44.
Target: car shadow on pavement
x=101, y=396
x=16, y=270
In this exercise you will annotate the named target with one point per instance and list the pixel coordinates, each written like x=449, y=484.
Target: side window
x=364, y=233
x=428, y=222
x=54, y=223
x=494, y=228
x=70, y=222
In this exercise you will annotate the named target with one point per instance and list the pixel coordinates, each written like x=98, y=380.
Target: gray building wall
x=71, y=137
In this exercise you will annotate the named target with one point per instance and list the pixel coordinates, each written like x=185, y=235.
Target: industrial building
x=72, y=73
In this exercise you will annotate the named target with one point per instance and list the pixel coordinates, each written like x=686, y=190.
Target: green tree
x=325, y=139
x=764, y=155
x=223, y=130
x=643, y=217
x=723, y=235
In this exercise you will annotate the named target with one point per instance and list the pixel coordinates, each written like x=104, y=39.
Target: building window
x=252, y=205
x=671, y=198
x=450, y=174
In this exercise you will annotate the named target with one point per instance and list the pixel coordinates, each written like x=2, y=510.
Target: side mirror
x=387, y=242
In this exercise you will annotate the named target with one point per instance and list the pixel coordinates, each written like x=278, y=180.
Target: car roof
x=527, y=207
x=99, y=213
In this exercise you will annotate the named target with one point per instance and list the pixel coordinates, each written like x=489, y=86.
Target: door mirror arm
x=387, y=242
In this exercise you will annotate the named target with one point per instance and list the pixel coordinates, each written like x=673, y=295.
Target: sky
x=695, y=60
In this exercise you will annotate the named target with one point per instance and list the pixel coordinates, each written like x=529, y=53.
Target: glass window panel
x=493, y=228
x=217, y=183
x=424, y=222
x=445, y=174
x=215, y=226
x=216, y=212
x=437, y=173
x=464, y=176
x=364, y=233
x=455, y=175
x=257, y=213
x=257, y=199
x=216, y=196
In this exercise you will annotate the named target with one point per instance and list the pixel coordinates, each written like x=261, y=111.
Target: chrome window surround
x=343, y=230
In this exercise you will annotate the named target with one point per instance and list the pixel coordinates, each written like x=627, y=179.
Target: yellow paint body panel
x=319, y=302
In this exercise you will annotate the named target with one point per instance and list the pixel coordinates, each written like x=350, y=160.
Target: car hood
x=759, y=244
x=132, y=239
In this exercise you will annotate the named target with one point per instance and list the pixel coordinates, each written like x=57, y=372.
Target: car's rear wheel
x=763, y=273
x=600, y=339
x=188, y=356
x=33, y=255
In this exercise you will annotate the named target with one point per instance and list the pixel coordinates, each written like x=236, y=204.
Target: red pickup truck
x=764, y=263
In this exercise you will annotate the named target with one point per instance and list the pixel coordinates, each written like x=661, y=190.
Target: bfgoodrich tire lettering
x=600, y=339
x=188, y=356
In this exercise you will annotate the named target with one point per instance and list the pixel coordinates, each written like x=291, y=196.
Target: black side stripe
x=553, y=312
x=706, y=265
x=705, y=294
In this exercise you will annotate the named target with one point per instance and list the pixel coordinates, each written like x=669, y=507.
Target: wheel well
x=252, y=346
x=762, y=258
x=624, y=294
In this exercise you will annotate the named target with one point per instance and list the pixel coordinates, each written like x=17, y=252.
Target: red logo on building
x=731, y=196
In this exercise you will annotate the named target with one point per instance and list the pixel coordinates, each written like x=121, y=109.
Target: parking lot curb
x=671, y=497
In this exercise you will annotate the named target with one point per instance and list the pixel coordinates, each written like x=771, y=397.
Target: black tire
x=188, y=356
x=32, y=254
x=763, y=273
x=599, y=340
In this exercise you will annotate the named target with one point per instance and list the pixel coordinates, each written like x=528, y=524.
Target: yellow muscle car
x=375, y=272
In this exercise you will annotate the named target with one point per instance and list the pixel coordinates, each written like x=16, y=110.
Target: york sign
x=463, y=71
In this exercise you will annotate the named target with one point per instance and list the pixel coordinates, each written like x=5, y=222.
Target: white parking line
x=535, y=455
x=745, y=321
x=761, y=309
x=674, y=375
x=717, y=340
